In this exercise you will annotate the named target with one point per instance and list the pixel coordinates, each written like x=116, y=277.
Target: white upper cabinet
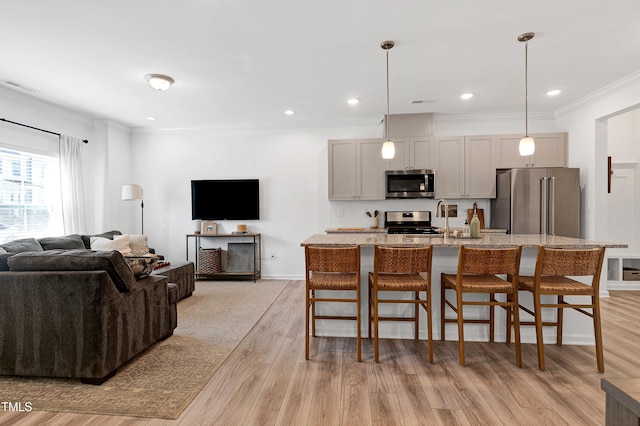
x=551, y=151
x=355, y=169
x=465, y=167
x=412, y=153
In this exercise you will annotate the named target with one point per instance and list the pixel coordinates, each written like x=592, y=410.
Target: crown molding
x=610, y=89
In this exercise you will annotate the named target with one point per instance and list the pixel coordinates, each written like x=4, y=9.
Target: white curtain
x=71, y=186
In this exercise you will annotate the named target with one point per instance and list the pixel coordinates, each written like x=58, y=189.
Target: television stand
x=243, y=256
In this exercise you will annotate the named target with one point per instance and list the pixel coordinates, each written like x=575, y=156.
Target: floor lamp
x=134, y=192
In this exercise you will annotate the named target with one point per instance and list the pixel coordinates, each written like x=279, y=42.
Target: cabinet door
x=551, y=150
x=449, y=166
x=507, y=153
x=342, y=169
x=422, y=152
x=401, y=161
x=480, y=167
x=370, y=172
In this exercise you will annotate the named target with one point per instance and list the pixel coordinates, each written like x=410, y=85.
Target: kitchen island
x=578, y=329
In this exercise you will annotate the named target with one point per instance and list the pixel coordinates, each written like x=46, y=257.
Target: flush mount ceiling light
x=466, y=96
x=289, y=112
x=159, y=81
x=388, y=147
x=527, y=145
x=353, y=101
x=554, y=92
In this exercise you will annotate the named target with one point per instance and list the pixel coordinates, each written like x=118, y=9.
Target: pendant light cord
x=387, y=120
x=526, y=88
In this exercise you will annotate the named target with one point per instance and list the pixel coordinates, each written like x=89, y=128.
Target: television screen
x=229, y=199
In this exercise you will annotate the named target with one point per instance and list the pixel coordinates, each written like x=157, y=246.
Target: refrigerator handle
x=544, y=198
x=552, y=207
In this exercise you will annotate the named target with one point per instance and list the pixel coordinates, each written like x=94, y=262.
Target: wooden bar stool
x=477, y=270
x=331, y=268
x=398, y=269
x=552, y=268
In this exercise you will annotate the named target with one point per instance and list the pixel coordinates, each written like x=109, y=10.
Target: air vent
x=13, y=85
x=425, y=101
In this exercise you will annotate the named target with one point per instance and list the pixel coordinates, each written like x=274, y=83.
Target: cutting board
x=480, y=213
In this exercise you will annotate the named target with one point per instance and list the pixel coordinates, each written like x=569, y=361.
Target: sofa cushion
x=77, y=260
x=86, y=239
x=68, y=242
x=119, y=242
x=139, y=245
x=4, y=266
x=24, y=244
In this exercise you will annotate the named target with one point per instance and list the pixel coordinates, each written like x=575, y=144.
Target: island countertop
x=485, y=240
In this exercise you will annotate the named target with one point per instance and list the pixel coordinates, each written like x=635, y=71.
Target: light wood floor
x=267, y=381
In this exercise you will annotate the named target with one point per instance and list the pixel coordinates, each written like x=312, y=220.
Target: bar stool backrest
x=333, y=259
x=402, y=260
x=489, y=261
x=561, y=262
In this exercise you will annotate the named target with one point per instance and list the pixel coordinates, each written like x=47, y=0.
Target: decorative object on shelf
x=197, y=226
x=159, y=82
x=527, y=145
x=242, y=229
x=134, y=192
x=209, y=260
x=209, y=228
x=388, y=147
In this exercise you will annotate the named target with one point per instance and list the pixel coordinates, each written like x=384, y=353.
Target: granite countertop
x=356, y=230
x=486, y=240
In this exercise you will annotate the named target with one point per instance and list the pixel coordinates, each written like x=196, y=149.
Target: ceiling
x=244, y=62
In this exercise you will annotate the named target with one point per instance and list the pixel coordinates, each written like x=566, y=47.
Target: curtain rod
x=35, y=128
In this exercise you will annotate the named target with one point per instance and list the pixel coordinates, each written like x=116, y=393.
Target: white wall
x=292, y=167
x=586, y=122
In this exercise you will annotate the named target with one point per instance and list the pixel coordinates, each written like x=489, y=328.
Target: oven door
x=410, y=184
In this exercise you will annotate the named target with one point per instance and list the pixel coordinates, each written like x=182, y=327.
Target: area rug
x=163, y=380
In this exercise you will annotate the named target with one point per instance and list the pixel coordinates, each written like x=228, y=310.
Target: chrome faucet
x=446, y=215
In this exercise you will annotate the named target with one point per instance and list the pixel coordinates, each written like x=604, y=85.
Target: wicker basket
x=209, y=260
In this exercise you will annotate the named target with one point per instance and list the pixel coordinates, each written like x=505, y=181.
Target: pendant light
x=527, y=145
x=388, y=147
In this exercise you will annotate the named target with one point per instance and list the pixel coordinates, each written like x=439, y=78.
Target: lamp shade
x=527, y=146
x=131, y=192
x=388, y=150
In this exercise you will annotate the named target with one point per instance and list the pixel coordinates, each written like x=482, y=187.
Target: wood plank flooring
x=266, y=381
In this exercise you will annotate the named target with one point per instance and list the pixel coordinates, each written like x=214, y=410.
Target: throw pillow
x=86, y=239
x=77, y=260
x=119, y=243
x=139, y=245
x=69, y=242
x=25, y=244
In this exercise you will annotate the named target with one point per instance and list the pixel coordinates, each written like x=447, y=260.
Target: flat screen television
x=225, y=199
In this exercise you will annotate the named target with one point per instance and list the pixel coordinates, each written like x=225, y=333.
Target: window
x=30, y=203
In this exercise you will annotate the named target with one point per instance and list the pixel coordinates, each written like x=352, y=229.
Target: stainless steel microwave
x=410, y=183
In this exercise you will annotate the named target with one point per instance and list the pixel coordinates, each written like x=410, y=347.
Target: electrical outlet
x=273, y=255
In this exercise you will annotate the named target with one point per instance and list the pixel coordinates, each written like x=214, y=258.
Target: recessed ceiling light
x=151, y=118
x=466, y=96
x=554, y=92
x=159, y=81
x=353, y=101
x=289, y=112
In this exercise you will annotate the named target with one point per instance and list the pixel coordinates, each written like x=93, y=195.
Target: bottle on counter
x=475, y=226
x=466, y=231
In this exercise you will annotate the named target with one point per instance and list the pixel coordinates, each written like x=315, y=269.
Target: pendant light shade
x=388, y=148
x=527, y=145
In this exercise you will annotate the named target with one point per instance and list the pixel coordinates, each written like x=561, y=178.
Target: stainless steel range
x=418, y=222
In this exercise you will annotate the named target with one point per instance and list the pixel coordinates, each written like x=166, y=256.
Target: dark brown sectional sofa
x=71, y=312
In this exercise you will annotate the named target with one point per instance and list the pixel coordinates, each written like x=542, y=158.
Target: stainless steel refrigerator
x=538, y=201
